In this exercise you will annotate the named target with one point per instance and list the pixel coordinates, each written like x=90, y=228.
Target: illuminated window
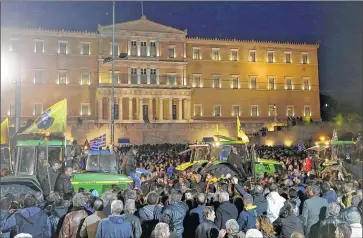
x=38, y=109
x=252, y=56
x=152, y=49
x=39, y=46
x=143, y=77
x=306, y=84
x=14, y=45
x=235, y=82
x=86, y=48
x=272, y=110
x=215, y=54
x=85, y=79
x=288, y=57
x=62, y=78
x=85, y=109
x=171, y=79
x=62, y=48
x=270, y=56
x=271, y=83
x=234, y=54
x=171, y=52
x=304, y=58
x=290, y=111
x=254, y=111
x=197, y=110
x=289, y=84
x=143, y=49
x=38, y=77
x=116, y=74
x=115, y=49
x=217, y=110
x=196, y=53
x=235, y=110
x=152, y=76
x=197, y=81
x=133, y=76
x=216, y=81
x=307, y=111
x=253, y=83
x=133, y=48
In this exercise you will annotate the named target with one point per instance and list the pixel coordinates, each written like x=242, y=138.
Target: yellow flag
x=240, y=132
x=53, y=120
x=217, y=128
x=4, y=132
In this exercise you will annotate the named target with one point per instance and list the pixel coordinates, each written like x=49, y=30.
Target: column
x=170, y=109
x=148, y=75
x=185, y=83
x=148, y=49
x=129, y=75
x=185, y=50
x=140, y=108
x=161, y=109
x=128, y=48
x=157, y=77
x=130, y=109
x=138, y=75
x=120, y=108
x=157, y=49
x=180, y=113
x=188, y=112
x=100, y=109
x=150, y=112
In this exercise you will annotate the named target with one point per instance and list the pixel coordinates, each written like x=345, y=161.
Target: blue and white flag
x=98, y=142
x=300, y=147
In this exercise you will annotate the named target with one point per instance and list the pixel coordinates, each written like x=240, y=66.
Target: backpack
x=36, y=225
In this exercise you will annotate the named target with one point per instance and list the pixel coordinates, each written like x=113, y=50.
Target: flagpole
x=113, y=75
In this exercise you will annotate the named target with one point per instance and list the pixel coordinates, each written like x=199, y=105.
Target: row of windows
x=85, y=109
x=254, y=111
x=151, y=50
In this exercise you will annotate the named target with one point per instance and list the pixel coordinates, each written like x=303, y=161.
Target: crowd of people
x=296, y=202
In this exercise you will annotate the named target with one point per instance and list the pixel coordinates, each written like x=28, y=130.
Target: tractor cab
x=5, y=159
x=102, y=161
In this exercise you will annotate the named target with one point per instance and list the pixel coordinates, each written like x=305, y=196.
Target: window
x=62, y=78
x=306, y=84
x=171, y=79
x=171, y=52
x=62, y=47
x=288, y=57
x=289, y=84
x=116, y=74
x=234, y=55
x=253, y=83
x=39, y=46
x=215, y=54
x=304, y=58
x=85, y=80
x=272, y=110
x=270, y=56
x=133, y=76
x=38, y=77
x=143, y=79
x=196, y=53
x=254, y=111
x=115, y=49
x=290, y=111
x=143, y=50
x=216, y=81
x=86, y=48
x=307, y=111
x=85, y=110
x=235, y=82
x=133, y=48
x=235, y=110
x=11, y=110
x=252, y=56
x=197, y=110
x=14, y=45
x=152, y=76
x=197, y=81
x=38, y=109
x=152, y=49
x=271, y=83
x=217, y=110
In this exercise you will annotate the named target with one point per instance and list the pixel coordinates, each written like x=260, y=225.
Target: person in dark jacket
x=259, y=200
x=225, y=211
x=63, y=184
x=198, y=184
x=236, y=161
x=247, y=218
x=288, y=222
x=152, y=210
x=177, y=210
x=201, y=199
x=207, y=229
x=53, y=174
x=329, y=194
x=130, y=217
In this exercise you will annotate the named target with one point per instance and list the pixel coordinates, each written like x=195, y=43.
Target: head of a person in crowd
x=54, y=198
x=234, y=149
x=30, y=201
x=201, y=199
x=78, y=201
x=288, y=209
x=5, y=203
x=55, y=166
x=153, y=198
x=165, y=218
x=68, y=171
x=352, y=216
x=333, y=209
x=98, y=205
x=247, y=200
x=314, y=190
x=223, y=197
x=130, y=194
x=355, y=200
x=209, y=214
x=161, y=230
x=293, y=193
x=232, y=226
x=325, y=187
x=117, y=207
x=23, y=235
x=265, y=226
x=273, y=188
x=175, y=196
x=297, y=235
x=339, y=230
x=81, y=190
x=197, y=178
x=253, y=233
x=258, y=190
x=130, y=206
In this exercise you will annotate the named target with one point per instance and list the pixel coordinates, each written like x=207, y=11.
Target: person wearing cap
x=247, y=218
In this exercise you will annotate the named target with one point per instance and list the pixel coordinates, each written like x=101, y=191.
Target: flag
x=4, y=132
x=98, y=142
x=217, y=129
x=53, y=120
x=240, y=132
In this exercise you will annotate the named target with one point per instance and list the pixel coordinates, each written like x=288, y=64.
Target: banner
x=240, y=132
x=4, y=132
x=53, y=120
x=98, y=142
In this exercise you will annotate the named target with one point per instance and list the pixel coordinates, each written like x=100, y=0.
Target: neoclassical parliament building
x=161, y=75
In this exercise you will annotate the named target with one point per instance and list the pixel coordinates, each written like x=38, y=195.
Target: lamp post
x=17, y=92
x=113, y=76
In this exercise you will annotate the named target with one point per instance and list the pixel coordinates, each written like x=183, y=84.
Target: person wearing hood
x=114, y=225
x=225, y=211
x=274, y=203
x=247, y=218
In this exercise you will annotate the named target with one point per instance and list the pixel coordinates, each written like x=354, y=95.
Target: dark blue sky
x=338, y=25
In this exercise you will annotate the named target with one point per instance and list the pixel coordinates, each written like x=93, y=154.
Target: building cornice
x=50, y=32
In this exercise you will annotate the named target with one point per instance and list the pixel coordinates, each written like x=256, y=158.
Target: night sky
x=338, y=25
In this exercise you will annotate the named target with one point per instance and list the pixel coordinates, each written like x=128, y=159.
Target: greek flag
x=300, y=147
x=98, y=142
